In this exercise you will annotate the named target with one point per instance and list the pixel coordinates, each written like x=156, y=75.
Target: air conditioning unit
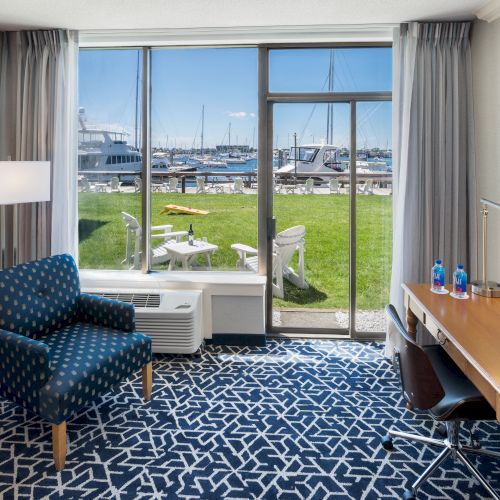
x=172, y=319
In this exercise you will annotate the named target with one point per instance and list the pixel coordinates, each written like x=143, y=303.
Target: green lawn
x=233, y=218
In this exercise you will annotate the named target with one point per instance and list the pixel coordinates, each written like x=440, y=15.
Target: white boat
x=101, y=151
x=317, y=158
x=106, y=150
x=313, y=159
x=235, y=161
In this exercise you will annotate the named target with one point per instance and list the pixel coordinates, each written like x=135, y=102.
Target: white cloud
x=242, y=115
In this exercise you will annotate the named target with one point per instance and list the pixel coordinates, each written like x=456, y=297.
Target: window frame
x=266, y=100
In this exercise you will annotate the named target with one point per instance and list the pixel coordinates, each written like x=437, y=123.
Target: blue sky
x=225, y=81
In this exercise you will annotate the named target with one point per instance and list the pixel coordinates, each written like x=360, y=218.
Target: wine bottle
x=191, y=235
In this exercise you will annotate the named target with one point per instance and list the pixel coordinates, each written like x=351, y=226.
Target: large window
x=203, y=158
x=326, y=174
x=203, y=133
x=109, y=159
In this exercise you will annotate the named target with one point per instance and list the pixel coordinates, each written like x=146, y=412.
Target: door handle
x=271, y=228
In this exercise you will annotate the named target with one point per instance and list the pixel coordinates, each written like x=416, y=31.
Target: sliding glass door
x=326, y=123
x=311, y=207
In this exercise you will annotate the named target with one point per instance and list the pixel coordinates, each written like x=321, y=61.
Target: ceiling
x=161, y=14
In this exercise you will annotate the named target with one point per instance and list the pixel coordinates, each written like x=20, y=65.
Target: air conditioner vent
x=171, y=318
x=145, y=300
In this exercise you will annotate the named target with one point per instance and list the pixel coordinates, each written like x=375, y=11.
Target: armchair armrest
x=177, y=235
x=106, y=312
x=242, y=251
x=24, y=363
x=165, y=227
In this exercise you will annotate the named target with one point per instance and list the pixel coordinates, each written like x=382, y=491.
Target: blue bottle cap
x=460, y=266
x=438, y=261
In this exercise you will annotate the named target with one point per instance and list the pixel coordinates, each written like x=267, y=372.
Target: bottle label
x=438, y=278
x=460, y=281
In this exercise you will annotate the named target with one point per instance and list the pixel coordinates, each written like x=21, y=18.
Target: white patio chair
x=334, y=186
x=171, y=185
x=137, y=185
x=307, y=188
x=237, y=186
x=86, y=186
x=114, y=185
x=285, y=245
x=366, y=188
x=200, y=185
x=159, y=254
x=276, y=186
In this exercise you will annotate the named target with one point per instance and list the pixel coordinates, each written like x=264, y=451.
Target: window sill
x=92, y=278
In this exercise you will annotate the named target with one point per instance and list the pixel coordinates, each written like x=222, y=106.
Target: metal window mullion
x=352, y=224
x=327, y=97
x=265, y=200
x=146, y=160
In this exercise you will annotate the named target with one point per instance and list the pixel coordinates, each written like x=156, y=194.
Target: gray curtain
x=433, y=154
x=30, y=95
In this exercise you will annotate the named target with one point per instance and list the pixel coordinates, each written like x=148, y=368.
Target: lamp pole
x=484, y=287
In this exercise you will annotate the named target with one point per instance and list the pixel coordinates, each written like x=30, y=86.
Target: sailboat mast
x=229, y=136
x=136, y=100
x=202, y=126
x=329, y=119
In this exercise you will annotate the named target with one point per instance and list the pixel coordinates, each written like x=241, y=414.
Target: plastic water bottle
x=460, y=281
x=437, y=276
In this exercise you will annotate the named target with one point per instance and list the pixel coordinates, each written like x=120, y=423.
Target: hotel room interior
x=250, y=249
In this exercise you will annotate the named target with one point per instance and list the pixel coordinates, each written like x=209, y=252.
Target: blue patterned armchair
x=61, y=349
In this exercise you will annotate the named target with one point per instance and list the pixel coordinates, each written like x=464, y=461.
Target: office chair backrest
x=421, y=386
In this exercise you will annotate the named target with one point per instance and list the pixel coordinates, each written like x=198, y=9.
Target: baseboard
x=237, y=339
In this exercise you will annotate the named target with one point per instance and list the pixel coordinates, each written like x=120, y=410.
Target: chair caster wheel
x=408, y=495
x=387, y=443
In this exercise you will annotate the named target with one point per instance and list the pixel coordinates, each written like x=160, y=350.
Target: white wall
x=486, y=88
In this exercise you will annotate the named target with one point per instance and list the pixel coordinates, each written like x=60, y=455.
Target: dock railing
x=382, y=179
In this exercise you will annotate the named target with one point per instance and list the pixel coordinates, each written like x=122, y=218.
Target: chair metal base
x=451, y=446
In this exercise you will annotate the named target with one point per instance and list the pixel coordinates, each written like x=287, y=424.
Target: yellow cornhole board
x=183, y=210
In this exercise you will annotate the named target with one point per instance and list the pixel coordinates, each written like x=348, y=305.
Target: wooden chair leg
x=147, y=380
x=59, y=445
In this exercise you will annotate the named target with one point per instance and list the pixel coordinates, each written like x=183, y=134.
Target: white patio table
x=186, y=253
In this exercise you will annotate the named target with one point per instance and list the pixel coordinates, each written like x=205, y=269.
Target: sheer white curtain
x=433, y=154
x=38, y=121
x=64, y=237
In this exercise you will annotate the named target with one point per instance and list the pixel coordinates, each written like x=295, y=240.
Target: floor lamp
x=20, y=182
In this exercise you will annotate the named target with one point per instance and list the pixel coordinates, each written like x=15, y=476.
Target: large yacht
x=101, y=151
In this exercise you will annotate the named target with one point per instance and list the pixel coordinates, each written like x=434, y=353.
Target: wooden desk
x=469, y=331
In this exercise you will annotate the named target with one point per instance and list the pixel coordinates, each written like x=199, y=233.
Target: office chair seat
x=462, y=401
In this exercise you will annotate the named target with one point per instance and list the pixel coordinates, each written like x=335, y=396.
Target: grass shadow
x=300, y=296
x=87, y=226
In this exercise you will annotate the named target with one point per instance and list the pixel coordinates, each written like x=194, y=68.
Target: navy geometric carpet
x=292, y=420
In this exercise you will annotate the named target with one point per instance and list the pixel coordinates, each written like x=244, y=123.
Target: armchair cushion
x=40, y=296
x=105, y=312
x=24, y=368
x=88, y=360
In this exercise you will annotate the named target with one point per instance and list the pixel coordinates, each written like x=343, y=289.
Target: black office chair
x=432, y=381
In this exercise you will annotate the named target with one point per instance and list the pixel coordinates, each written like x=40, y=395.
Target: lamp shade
x=24, y=181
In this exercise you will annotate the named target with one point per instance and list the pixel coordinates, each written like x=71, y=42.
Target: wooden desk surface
x=469, y=331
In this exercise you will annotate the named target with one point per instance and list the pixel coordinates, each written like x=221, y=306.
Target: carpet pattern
x=292, y=420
